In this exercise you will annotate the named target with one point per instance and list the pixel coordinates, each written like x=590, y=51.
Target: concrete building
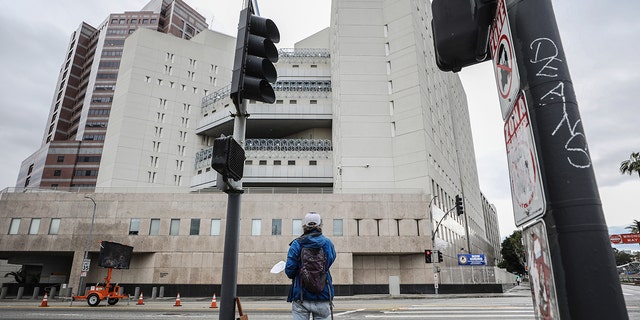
x=365, y=130
x=71, y=149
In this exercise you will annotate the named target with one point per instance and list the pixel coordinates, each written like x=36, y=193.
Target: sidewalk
x=249, y=303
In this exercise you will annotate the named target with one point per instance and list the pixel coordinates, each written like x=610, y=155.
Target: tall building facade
x=365, y=130
x=71, y=150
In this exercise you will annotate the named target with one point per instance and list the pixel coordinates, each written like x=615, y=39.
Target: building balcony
x=275, y=162
x=300, y=105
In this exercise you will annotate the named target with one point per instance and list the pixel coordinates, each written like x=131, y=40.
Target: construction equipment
x=98, y=293
x=112, y=255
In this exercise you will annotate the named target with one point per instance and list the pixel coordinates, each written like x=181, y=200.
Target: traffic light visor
x=265, y=28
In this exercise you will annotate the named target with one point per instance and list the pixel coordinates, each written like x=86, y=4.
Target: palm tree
x=634, y=227
x=631, y=165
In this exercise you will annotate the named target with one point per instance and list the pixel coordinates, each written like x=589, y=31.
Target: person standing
x=308, y=261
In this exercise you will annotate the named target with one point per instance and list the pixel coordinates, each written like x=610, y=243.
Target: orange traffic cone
x=214, y=304
x=44, y=301
x=140, y=300
x=177, y=301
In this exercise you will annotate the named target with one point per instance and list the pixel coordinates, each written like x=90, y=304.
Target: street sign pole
x=583, y=265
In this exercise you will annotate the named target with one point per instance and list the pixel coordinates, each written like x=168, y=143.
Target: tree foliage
x=513, y=255
x=634, y=227
x=622, y=257
x=631, y=165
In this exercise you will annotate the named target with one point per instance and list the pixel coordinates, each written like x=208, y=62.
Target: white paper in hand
x=278, y=267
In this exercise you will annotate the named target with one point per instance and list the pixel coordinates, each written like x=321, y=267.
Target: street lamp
x=86, y=251
x=433, y=241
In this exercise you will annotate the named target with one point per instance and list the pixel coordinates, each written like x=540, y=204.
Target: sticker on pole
x=543, y=287
x=504, y=59
x=524, y=170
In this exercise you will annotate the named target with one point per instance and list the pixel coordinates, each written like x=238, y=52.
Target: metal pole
x=232, y=230
x=86, y=251
x=433, y=245
x=584, y=268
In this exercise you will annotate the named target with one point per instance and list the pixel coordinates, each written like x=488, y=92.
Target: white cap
x=312, y=219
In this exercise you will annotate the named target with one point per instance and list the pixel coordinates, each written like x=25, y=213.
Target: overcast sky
x=601, y=42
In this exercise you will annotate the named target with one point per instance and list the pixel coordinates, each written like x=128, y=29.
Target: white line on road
x=347, y=312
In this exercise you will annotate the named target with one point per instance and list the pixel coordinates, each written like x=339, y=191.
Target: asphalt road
x=515, y=304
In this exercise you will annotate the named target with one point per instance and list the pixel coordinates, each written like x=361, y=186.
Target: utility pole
x=554, y=191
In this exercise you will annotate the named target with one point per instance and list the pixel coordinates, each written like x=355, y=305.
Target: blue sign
x=471, y=259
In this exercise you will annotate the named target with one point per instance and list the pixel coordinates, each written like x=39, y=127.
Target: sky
x=600, y=42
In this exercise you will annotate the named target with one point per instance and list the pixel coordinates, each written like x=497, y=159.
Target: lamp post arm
x=433, y=234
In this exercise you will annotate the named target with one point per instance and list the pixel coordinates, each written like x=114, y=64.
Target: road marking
x=348, y=312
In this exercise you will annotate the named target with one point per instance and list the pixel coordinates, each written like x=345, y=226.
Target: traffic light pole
x=228, y=290
x=433, y=245
x=584, y=267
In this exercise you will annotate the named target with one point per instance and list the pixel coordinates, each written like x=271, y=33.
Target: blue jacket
x=314, y=239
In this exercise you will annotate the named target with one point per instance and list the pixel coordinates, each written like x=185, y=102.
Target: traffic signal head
x=461, y=32
x=228, y=158
x=253, y=68
x=427, y=256
x=440, y=256
x=459, y=205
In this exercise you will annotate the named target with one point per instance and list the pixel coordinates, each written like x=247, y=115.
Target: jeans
x=321, y=310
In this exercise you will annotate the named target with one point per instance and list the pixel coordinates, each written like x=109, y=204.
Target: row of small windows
x=114, y=42
x=85, y=173
x=109, y=64
x=100, y=124
x=102, y=99
x=183, y=87
x=111, y=53
x=107, y=76
x=279, y=162
x=98, y=112
x=98, y=137
x=195, y=226
x=215, y=227
x=34, y=226
x=280, y=101
x=134, y=21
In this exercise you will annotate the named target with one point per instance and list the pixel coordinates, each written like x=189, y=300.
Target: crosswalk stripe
x=444, y=312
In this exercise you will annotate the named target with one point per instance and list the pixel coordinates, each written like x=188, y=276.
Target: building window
x=60, y=158
x=248, y=162
x=15, y=225
x=215, y=227
x=263, y=162
x=338, y=227
x=30, y=169
x=256, y=225
x=291, y=162
x=313, y=162
x=154, y=227
x=54, y=226
x=134, y=226
x=35, y=226
x=194, y=230
x=276, y=227
x=313, y=101
x=57, y=173
x=174, y=228
x=296, y=227
x=293, y=101
x=277, y=162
